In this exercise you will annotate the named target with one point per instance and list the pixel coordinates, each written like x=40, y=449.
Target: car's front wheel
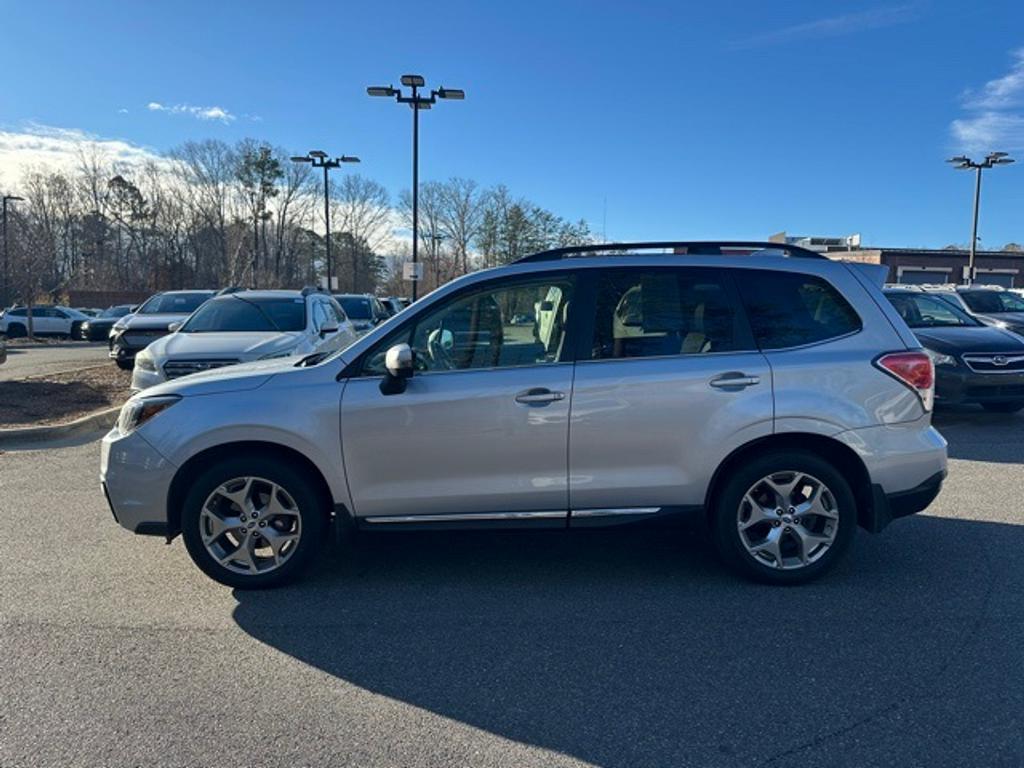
x=125, y=365
x=784, y=518
x=252, y=522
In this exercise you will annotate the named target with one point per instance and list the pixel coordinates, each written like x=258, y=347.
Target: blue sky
x=733, y=119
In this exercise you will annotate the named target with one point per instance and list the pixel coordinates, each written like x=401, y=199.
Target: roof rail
x=230, y=289
x=311, y=289
x=679, y=247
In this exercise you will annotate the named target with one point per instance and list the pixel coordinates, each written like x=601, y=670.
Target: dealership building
x=920, y=265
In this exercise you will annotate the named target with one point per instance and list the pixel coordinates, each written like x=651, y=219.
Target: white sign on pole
x=412, y=271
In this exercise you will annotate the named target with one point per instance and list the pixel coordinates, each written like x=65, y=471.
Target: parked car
x=363, y=310
x=777, y=392
x=98, y=328
x=974, y=362
x=47, y=320
x=393, y=305
x=89, y=311
x=242, y=327
x=991, y=305
x=3, y=351
x=135, y=331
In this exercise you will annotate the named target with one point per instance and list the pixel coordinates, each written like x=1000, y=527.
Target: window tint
x=993, y=302
x=173, y=303
x=657, y=312
x=512, y=325
x=788, y=309
x=926, y=311
x=339, y=313
x=236, y=314
x=357, y=307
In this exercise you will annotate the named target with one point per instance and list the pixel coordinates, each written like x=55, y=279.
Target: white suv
x=774, y=390
x=244, y=326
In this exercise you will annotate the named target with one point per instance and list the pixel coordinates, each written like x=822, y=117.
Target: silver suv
x=772, y=389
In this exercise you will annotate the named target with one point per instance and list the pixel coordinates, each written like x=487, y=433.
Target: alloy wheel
x=788, y=520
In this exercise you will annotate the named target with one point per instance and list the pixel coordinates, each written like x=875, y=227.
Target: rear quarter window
x=790, y=309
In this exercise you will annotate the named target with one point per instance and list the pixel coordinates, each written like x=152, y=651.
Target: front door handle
x=539, y=396
x=737, y=380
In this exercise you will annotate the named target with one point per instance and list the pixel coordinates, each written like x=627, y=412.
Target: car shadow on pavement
x=633, y=646
x=977, y=435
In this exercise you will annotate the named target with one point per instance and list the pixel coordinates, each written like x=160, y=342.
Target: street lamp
x=963, y=163
x=319, y=159
x=7, y=265
x=416, y=103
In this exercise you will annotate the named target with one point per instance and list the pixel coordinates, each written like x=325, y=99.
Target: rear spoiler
x=875, y=273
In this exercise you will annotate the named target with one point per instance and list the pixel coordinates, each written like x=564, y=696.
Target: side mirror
x=173, y=327
x=398, y=361
x=327, y=330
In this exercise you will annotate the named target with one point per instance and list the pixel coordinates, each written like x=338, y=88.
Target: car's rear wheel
x=1011, y=407
x=76, y=331
x=251, y=522
x=16, y=331
x=784, y=518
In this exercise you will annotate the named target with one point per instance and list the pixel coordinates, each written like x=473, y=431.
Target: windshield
x=928, y=312
x=173, y=303
x=356, y=307
x=993, y=302
x=235, y=314
x=116, y=311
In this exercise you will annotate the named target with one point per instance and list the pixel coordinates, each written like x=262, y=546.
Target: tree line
x=211, y=214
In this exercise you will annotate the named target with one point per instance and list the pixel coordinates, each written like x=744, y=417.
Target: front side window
x=499, y=327
x=237, y=314
x=659, y=312
x=927, y=311
x=789, y=309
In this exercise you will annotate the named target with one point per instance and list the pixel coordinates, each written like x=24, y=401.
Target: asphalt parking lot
x=627, y=647
x=56, y=357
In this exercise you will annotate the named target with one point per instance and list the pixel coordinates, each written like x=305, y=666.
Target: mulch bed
x=61, y=397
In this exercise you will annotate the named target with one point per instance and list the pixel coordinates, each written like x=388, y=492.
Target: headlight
x=275, y=355
x=145, y=362
x=138, y=411
x=938, y=358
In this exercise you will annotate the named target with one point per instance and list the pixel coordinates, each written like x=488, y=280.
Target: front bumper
x=961, y=385
x=135, y=479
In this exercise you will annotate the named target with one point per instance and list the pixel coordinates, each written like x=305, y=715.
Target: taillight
x=915, y=369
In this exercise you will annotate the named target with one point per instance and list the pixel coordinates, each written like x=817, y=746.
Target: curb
x=94, y=421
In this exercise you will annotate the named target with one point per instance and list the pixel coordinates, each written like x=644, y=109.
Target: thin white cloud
x=833, y=26
x=994, y=120
x=200, y=113
x=1005, y=91
x=42, y=146
x=989, y=131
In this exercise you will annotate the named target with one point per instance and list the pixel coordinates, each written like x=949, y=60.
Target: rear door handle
x=730, y=380
x=539, y=396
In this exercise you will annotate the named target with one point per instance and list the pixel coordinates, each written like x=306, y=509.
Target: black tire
x=725, y=517
x=294, y=481
x=125, y=365
x=1011, y=407
x=16, y=331
x=76, y=331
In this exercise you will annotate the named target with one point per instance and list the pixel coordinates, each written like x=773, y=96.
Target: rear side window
x=660, y=312
x=788, y=309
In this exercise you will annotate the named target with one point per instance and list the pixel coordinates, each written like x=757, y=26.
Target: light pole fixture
x=319, y=159
x=416, y=102
x=963, y=163
x=7, y=265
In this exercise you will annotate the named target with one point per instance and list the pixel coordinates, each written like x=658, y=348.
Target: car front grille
x=174, y=369
x=142, y=338
x=995, y=363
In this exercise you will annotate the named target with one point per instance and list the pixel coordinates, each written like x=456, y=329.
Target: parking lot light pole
x=416, y=102
x=320, y=159
x=963, y=163
x=7, y=264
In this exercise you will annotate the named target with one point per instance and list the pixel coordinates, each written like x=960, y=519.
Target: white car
x=243, y=327
x=47, y=320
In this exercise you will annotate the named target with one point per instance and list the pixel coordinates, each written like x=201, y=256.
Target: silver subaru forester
x=772, y=389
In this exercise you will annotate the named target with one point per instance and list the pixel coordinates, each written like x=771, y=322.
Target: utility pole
x=7, y=262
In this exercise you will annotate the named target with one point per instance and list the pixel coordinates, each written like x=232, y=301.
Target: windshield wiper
x=259, y=309
x=312, y=359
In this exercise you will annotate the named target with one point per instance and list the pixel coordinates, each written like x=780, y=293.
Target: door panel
x=650, y=432
x=459, y=442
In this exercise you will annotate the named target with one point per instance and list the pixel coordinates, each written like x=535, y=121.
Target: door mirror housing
x=398, y=361
x=327, y=330
x=172, y=327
